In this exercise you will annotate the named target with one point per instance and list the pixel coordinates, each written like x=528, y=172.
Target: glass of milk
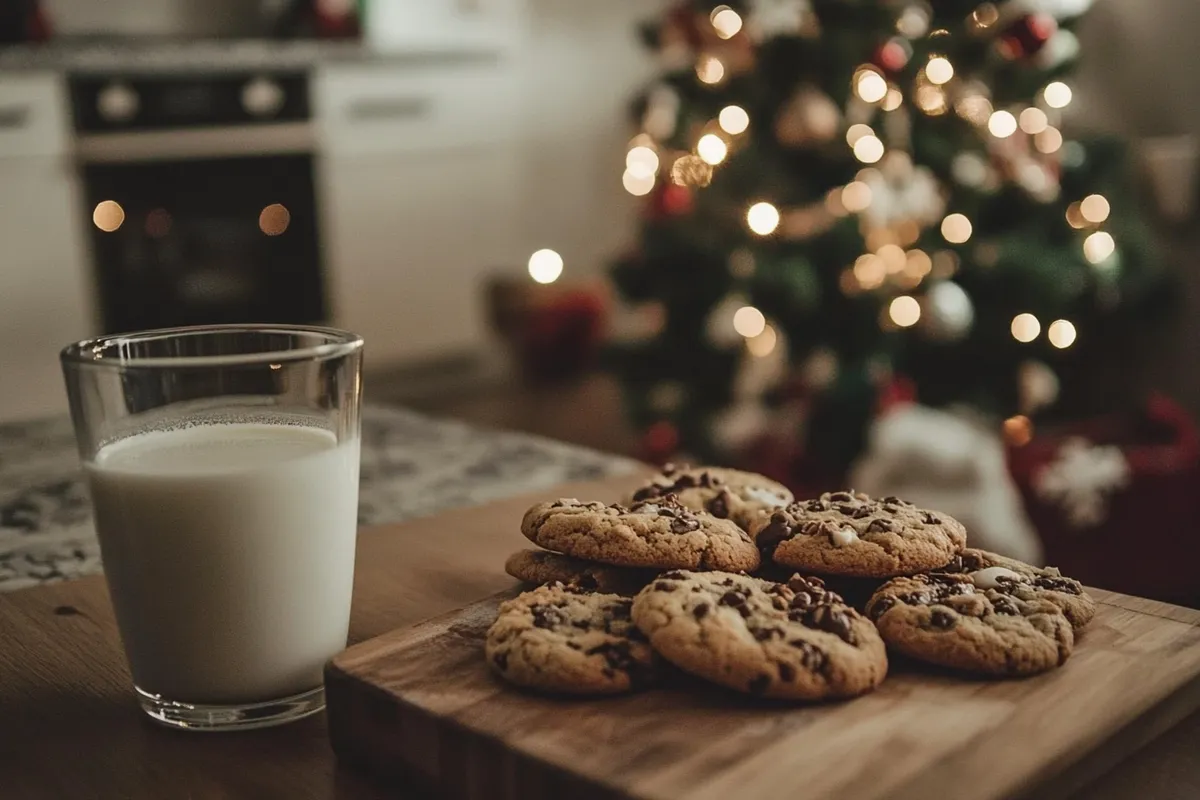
x=223, y=466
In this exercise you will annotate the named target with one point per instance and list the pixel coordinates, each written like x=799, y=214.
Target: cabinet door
x=44, y=285
x=410, y=238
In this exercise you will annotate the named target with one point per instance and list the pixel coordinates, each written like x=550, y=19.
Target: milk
x=229, y=553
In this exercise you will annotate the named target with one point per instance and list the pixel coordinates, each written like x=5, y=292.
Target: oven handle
x=232, y=140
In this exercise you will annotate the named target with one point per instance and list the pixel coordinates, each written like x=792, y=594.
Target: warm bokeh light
x=939, y=70
x=913, y=21
x=733, y=119
x=1018, y=430
x=749, y=321
x=834, y=204
x=763, y=218
x=709, y=69
x=893, y=257
x=856, y=132
x=892, y=100
x=905, y=311
x=1048, y=141
x=1098, y=246
x=726, y=21
x=274, y=219
x=1002, y=124
x=1075, y=216
x=641, y=161
x=637, y=185
x=690, y=170
x=984, y=17
x=711, y=148
x=974, y=108
x=868, y=149
x=1025, y=328
x=1057, y=94
x=1094, y=208
x=931, y=99
x=1061, y=333
x=763, y=344
x=870, y=86
x=108, y=215
x=1033, y=120
x=856, y=196
x=545, y=266
x=869, y=271
x=956, y=228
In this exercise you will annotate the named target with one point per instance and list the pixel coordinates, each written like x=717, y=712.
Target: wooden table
x=70, y=727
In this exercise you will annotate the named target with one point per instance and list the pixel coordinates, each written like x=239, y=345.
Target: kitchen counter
x=412, y=466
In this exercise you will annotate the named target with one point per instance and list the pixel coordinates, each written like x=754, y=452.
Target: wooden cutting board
x=419, y=704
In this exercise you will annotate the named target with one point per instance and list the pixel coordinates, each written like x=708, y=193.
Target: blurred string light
x=763, y=344
x=939, y=70
x=1018, y=430
x=763, y=218
x=856, y=196
x=1098, y=246
x=868, y=149
x=930, y=98
x=870, y=271
x=1033, y=120
x=726, y=21
x=974, y=108
x=1002, y=124
x=956, y=228
x=1094, y=208
x=904, y=311
x=856, y=132
x=545, y=266
x=108, y=215
x=1075, y=216
x=637, y=185
x=869, y=85
x=1048, y=141
x=710, y=70
x=984, y=17
x=749, y=321
x=892, y=100
x=690, y=170
x=1061, y=333
x=913, y=21
x=711, y=148
x=733, y=119
x=1025, y=328
x=1057, y=94
x=641, y=162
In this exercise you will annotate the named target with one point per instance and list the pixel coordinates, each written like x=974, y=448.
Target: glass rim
x=90, y=352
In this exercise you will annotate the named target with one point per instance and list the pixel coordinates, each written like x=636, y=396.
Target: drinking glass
x=223, y=467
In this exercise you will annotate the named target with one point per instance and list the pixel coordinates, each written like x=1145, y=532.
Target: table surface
x=70, y=726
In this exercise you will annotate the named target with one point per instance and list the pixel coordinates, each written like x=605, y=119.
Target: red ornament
x=1026, y=35
x=891, y=57
x=896, y=392
x=669, y=200
x=660, y=441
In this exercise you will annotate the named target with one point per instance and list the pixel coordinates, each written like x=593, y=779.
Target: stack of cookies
x=723, y=575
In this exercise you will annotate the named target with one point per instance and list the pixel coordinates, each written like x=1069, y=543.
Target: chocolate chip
x=787, y=673
x=719, y=506
x=930, y=519
x=685, y=482
x=799, y=583
x=588, y=582
x=811, y=656
x=814, y=505
x=814, y=528
x=709, y=481
x=916, y=598
x=759, y=685
x=700, y=611
x=1002, y=605
x=828, y=619
x=775, y=533
x=500, y=659
x=1054, y=584
x=67, y=611
x=664, y=586
x=732, y=598
x=666, y=511
x=779, y=603
x=895, y=501
x=841, y=497
x=617, y=655
x=685, y=525
x=575, y=645
x=881, y=606
x=549, y=616
x=942, y=620
x=620, y=609
x=728, y=582
x=647, y=493
x=673, y=575
x=802, y=600
x=861, y=512
x=582, y=624
x=878, y=524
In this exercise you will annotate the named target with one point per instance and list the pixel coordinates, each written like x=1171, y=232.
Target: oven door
x=205, y=240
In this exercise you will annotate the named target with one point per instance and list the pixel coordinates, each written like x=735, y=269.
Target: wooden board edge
x=1144, y=605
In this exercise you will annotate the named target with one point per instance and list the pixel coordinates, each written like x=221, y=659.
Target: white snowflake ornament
x=1080, y=480
x=771, y=18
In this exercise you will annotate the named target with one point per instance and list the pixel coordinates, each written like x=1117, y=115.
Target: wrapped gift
x=1115, y=500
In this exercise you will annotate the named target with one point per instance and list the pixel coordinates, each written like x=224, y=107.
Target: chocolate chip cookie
x=943, y=618
x=558, y=639
x=1026, y=582
x=657, y=533
x=848, y=533
x=726, y=493
x=794, y=641
x=542, y=566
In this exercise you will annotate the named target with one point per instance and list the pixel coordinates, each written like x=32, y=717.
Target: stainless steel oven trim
x=222, y=142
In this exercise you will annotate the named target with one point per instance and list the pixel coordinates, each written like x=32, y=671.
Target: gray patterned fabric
x=412, y=466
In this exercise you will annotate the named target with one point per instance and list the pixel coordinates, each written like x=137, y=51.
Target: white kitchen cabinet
x=418, y=174
x=44, y=282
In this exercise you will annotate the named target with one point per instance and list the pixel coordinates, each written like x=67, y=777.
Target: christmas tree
x=851, y=201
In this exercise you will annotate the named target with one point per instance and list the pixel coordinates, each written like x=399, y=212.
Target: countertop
x=412, y=466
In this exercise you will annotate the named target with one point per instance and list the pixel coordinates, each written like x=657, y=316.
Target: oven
x=200, y=197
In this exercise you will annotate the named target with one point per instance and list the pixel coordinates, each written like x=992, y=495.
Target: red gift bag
x=1115, y=501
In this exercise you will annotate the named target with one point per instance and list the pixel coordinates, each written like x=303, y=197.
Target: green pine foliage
x=1022, y=255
